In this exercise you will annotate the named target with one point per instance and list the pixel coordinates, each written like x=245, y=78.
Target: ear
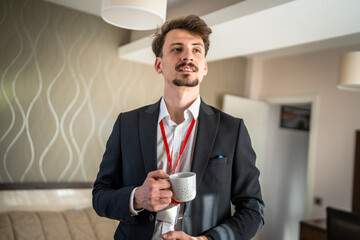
x=157, y=65
x=205, y=68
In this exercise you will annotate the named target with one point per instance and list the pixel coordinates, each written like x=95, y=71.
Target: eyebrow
x=194, y=44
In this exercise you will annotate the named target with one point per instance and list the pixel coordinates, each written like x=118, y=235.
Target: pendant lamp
x=349, y=72
x=134, y=14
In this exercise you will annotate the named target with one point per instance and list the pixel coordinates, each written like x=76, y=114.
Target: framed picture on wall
x=295, y=117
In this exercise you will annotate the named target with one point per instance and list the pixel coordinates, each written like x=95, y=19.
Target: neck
x=178, y=101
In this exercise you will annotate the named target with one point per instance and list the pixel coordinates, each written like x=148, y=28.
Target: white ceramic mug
x=183, y=186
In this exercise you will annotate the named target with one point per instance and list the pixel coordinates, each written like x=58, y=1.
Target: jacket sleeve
x=110, y=196
x=248, y=218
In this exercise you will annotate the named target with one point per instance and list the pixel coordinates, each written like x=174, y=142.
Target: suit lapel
x=207, y=130
x=148, y=136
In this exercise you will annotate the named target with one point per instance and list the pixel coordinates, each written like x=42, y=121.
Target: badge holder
x=169, y=214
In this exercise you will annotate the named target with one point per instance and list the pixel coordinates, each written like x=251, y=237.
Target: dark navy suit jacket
x=131, y=154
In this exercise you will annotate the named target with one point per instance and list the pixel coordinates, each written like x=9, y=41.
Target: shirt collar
x=193, y=110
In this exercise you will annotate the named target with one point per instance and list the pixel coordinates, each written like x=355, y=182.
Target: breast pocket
x=218, y=171
x=217, y=161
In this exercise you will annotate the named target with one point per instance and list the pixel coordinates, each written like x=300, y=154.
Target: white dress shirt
x=175, y=135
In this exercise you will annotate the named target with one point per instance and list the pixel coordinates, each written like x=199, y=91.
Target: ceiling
x=259, y=28
x=94, y=6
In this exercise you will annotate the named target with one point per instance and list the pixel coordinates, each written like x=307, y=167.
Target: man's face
x=183, y=62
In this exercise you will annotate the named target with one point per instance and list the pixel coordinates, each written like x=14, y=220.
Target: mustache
x=184, y=64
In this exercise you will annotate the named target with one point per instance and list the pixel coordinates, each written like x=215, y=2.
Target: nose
x=187, y=55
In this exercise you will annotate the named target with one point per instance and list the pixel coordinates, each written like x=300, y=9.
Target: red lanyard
x=182, y=147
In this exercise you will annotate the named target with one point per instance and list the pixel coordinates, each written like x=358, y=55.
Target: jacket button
x=151, y=217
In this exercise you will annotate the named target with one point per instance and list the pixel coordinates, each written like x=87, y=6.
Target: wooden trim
x=356, y=188
x=44, y=185
x=313, y=229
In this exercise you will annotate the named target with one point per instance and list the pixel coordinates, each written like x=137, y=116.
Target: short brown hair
x=191, y=23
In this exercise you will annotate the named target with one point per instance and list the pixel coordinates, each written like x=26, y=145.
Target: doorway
x=257, y=115
x=285, y=176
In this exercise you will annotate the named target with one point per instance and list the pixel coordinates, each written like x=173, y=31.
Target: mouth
x=186, y=68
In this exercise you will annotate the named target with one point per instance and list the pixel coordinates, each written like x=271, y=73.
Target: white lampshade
x=349, y=72
x=134, y=14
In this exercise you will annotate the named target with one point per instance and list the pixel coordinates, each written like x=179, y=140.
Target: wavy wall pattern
x=62, y=87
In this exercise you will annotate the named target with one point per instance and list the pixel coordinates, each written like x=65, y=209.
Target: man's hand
x=180, y=235
x=155, y=193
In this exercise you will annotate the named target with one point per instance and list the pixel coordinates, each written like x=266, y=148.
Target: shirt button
x=151, y=217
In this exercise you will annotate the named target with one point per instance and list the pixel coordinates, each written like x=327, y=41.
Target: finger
x=158, y=174
x=163, y=184
x=174, y=235
x=165, y=194
x=164, y=201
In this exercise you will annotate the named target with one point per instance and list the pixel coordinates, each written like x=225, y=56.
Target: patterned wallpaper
x=62, y=87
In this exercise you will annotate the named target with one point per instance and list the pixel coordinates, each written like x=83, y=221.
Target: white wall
x=284, y=180
x=338, y=119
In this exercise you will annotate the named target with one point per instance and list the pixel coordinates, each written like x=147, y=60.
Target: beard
x=185, y=80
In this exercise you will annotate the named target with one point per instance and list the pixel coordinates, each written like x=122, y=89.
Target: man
x=131, y=185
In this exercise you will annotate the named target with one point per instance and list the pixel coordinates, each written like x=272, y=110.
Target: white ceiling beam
x=251, y=27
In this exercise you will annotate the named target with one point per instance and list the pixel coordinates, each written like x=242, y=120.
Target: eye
x=175, y=50
x=197, y=50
